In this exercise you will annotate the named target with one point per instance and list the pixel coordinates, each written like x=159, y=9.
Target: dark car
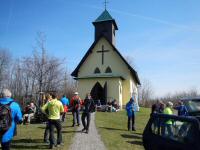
x=183, y=133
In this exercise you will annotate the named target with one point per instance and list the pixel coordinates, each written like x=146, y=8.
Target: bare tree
x=145, y=92
x=16, y=79
x=39, y=72
x=5, y=59
x=42, y=72
x=192, y=92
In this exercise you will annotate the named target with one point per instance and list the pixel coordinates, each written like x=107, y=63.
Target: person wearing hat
x=130, y=108
x=168, y=123
x=75, y=107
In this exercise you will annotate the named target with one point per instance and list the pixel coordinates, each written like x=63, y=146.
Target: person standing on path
x=65, y=102
x=55, y=109
x=88, y=108
x=131, y=114
x=75, y=106
x=16, y=117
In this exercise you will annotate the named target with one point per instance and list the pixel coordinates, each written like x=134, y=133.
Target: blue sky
x=161, y=36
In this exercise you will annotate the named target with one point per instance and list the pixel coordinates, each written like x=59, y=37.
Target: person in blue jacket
x=181, y=108
x=65, y=102
x=130, y=108
x=16, y=118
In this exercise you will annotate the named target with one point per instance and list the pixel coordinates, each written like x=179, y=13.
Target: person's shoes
x=87, y=131
x=83, y=130
x=51, y=146
x=46, y=141
x=59, y=145
x=73, y=125
x=133, y=129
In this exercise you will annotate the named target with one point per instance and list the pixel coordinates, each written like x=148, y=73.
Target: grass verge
x=30, y=137
x=113, y=129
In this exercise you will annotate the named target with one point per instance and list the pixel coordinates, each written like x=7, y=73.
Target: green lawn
x=113, y=129
x=111, y=126
x=30, y=137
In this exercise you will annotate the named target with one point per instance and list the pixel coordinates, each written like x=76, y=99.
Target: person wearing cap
x=168, y=123
x=16, y=115
x=75, y=107
x=130, y=108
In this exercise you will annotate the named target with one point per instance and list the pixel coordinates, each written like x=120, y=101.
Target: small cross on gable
x=102, y=52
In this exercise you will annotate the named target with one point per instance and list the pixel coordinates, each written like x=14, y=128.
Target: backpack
x=75, y=104
x=92, y=107
x=5, y=117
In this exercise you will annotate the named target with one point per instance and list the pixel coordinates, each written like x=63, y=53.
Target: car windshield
x=193, y=105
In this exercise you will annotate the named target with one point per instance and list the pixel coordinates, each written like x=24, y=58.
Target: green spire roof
x=105, y=16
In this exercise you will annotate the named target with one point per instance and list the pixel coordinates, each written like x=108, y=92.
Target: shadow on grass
x=67, y=126
x=23, y=146
x=28, y=144
x=28, y=141
x=138, y=133
x=70, y=131
x=42, y=127
x=131, y=136
x=112, y=129
x=136, y=142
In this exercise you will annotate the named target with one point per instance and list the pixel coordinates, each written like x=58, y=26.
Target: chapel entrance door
x=98, y=93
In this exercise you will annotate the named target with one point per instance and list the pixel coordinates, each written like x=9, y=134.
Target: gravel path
x=90, y=141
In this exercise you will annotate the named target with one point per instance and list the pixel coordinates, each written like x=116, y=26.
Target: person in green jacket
x=168, y=123
x=55, y=109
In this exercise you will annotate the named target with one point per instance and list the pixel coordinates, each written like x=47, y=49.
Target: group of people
x=160, y=107
x=166, y=125
x=54, y=109
x=88, y=107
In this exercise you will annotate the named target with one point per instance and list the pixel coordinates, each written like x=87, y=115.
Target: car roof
x=190, y=98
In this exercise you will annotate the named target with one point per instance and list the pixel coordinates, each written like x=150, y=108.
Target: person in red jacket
x=75, y=106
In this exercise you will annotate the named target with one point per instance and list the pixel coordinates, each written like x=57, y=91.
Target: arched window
x=97, y=70
x=108, y=70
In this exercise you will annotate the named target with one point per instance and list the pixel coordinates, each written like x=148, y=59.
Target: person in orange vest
x=75, y=107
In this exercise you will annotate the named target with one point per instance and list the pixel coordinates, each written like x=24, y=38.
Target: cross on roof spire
x=105, y=4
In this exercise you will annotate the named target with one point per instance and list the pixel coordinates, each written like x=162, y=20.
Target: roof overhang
x=100, y=76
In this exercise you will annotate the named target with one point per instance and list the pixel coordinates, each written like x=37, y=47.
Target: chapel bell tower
x=105, y=25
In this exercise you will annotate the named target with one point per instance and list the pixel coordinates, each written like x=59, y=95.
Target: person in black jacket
x=88, y=108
